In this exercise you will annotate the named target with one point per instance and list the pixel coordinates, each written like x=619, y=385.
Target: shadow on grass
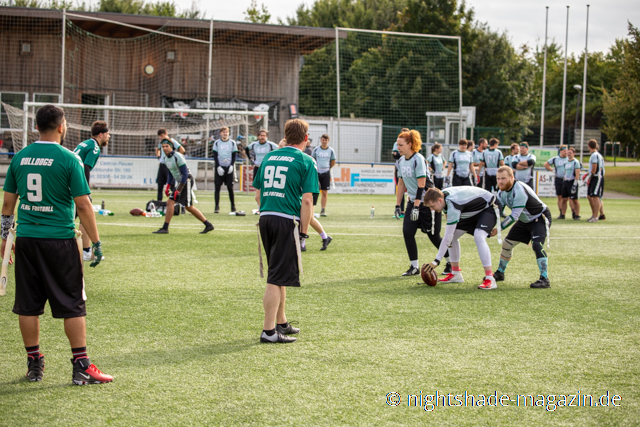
x=33, y=388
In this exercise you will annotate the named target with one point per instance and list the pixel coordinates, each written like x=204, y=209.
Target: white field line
x=347, y=234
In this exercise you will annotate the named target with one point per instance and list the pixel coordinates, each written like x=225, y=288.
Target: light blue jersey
x=477, y=156
x=225, y=149
x=461, y=161
x=596, y=159
x=569, y=169
x=163, y=157
x=491, y=159
x=261, y=150
x=174, y=163
x=558, y=163
x=508, y=159
x=395, y=150
x=464, y=202
x=410, y=170
x=323, y=158
x=436, y=163
x=523, y=175
x=524, y=203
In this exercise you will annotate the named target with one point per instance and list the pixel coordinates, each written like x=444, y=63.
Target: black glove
x=397, y=212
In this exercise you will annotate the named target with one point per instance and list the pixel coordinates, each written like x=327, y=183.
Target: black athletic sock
x=165, y=226
x=284, y=325
x=33, y=351
x=270, y=332
x=206, y=222
x=87, y=249
x=79, y=353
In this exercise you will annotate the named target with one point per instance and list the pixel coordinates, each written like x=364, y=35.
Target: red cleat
x=84, y=372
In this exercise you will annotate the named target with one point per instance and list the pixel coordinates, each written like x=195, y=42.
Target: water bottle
x=373, y=211
x=104, y=212
x=103, y=204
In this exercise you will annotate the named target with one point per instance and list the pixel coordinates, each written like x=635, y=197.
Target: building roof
x=114, y=25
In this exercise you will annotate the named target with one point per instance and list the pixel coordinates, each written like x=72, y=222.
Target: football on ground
x=136, y=212
x=430, y=278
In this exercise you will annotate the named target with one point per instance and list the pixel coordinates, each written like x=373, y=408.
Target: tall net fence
x=387, y=81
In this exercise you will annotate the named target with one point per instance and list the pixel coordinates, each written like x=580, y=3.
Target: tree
x=622, y=104
x=256, y=16
x=132, y=7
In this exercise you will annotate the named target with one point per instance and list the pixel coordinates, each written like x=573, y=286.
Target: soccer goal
x=134, y=135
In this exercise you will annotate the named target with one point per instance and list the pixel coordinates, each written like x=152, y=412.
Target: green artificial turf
x=176, y=320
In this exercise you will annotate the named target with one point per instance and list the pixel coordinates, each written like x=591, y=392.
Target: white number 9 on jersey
x=34, y=185
x=275, y=176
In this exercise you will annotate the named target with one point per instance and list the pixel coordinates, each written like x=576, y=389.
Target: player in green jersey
x=89, y=153
x=284, y=187
x=183, y=194
x=49, y=181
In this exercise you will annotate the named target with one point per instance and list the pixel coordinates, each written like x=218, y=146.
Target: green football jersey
x=284, y=176
x=47, y=177
x=89, y=152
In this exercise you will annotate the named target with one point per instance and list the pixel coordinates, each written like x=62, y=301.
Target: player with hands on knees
x=531, y=220
x=49, y=180
x=414, y=177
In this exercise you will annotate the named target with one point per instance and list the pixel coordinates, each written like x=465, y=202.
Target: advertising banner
x=129, y=172
x=545, y=186
x=362, y=179
x=348, y=179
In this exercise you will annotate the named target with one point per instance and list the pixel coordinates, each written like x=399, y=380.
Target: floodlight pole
x=564, y=81
x=544, y=79
x=584, y=86
x=206, y=136
x=64, y=36
x=338, y=86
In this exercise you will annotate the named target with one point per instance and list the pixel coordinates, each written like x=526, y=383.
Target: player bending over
x=284, y=187
x=179, y=172
x=531, y=220
x=415, y=178
x=89, y=153
x=469, y=210
x=49, y=179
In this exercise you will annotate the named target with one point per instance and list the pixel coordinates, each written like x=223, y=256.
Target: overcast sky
x=524, y=20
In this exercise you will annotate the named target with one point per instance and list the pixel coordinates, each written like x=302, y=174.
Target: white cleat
x=454, y=277
x=488, y=283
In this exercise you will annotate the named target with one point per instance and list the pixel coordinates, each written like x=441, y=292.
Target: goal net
x=134, y=130
x=393, y=78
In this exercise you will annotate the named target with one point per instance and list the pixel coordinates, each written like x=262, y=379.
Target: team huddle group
x=484, y=182
x=51, y=184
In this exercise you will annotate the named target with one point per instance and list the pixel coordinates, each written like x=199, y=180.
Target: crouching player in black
x=414, y=177
x=531, y=220
x=284, y=187
x=179, y=171
x=469, y=210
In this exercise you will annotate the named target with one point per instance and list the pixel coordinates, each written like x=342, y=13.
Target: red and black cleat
x=84, y=372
